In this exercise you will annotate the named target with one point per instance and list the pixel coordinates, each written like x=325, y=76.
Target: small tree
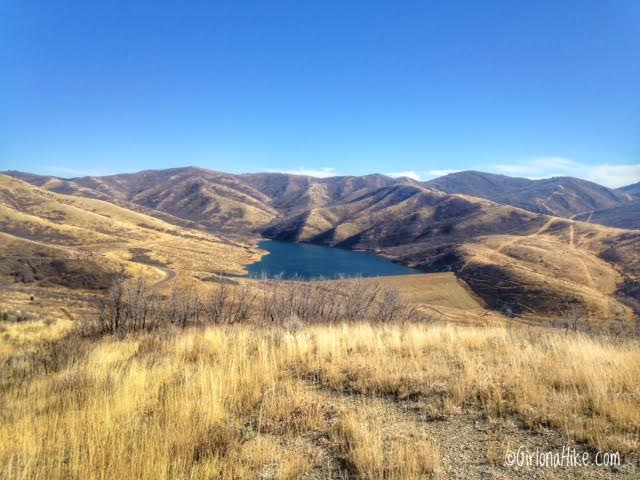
x=574, y=316
x=126, y=306
x=184, y=304
x=111, y=306
x=216, y=301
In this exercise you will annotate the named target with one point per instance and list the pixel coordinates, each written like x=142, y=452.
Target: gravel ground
x=474, y=447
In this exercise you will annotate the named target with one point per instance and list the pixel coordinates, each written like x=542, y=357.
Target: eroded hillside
x=517, y=260
x=47, y=235
x=558, y=196
x=514, y=259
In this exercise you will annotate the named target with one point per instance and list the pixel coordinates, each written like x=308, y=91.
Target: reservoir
x=308, y=261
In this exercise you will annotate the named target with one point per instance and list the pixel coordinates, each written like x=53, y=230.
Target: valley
x=138, y=302
x=320, y=240
x=196, y=223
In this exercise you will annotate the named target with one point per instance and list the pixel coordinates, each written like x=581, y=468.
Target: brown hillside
x=633, y=190
x=212, y=200
x=296, y=192
x=623, y=216
x=559, y=196
x=514, y=259
x=40, y=227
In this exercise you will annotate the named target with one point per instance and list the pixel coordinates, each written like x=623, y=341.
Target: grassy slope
x=321, y=402
x=211, y=200
x=559, y=196
x=506, y=254
x=69, y=227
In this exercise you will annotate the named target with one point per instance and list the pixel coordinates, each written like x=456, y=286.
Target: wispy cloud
x=59, y=170
x=322, y=172
x=614, y=175
x=440, y=173
x=407, y=173
x=421, y=175
x=609, y=175
x=541, y=167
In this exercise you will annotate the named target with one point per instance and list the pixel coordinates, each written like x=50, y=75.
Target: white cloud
x=59, y=170
x=542, y=167
x=407, y=173
x=441, y=173
x=317, y=172
x=613, y=176
x=421, y=175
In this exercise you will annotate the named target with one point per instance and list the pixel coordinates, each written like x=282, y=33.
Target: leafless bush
x=391, y=304
x=216, y=302
x=573, y=317
x=361, y=298
x=332, y=301
x=184, y=304
x=240, y=305
x=128, y=305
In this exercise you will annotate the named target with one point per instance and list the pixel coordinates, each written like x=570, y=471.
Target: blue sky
x=422, y=88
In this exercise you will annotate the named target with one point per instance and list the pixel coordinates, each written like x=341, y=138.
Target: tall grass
x=243, y=402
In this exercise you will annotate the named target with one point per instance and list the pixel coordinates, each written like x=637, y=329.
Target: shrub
x=131, y=304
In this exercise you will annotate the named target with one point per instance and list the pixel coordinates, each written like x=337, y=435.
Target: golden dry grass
x=555, y=265
x=435, y=289
x=36, y=222
x=241, y=402
x=507, y=255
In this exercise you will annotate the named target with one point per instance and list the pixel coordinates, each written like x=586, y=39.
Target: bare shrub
x=573, y=317
x=238, y=308
x=332, y=301
x=128, y=305
x=229, y=304
x=216, y=301
x=184, y=304
x=361, y=296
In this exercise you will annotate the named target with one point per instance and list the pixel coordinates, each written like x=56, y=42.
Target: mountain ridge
x=558, y=196
x=216, y=200
x=512, y=257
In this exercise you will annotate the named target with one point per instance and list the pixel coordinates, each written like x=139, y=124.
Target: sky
x=415, y=88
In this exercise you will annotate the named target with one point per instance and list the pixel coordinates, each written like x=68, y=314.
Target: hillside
x=517, y=260
x=623, y=216
x=47, y=236
x=514, y=259
x=243, y=204
x=559, y=196
x=297, y=192
x=633, y=189
x=211, y=200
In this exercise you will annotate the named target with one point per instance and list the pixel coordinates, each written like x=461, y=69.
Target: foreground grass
x=241, y=402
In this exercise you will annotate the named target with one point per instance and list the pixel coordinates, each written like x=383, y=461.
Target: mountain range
x=523, y=246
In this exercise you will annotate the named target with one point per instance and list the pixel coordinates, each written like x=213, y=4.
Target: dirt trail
x=572, y=236
x=572, y=244
x=546, y=226
x=169, y=275
x=472, y=446
x=588, y=220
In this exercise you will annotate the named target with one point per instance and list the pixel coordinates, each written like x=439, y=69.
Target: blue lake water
x=307, y=261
